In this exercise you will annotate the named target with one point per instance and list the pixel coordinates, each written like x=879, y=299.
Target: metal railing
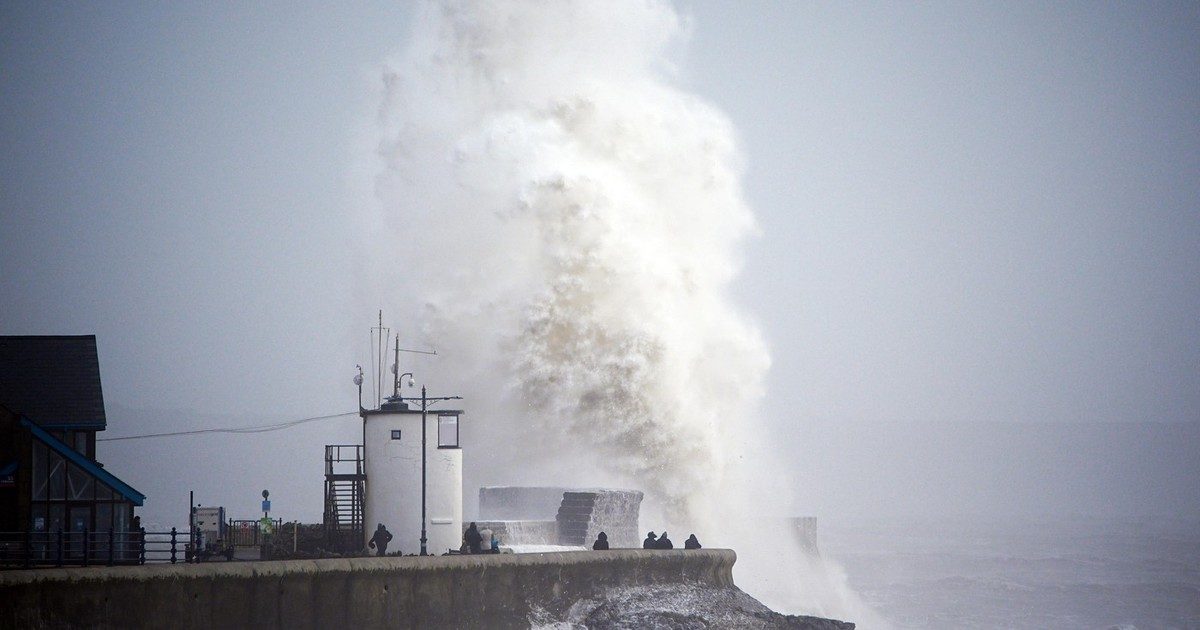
x=30, y=549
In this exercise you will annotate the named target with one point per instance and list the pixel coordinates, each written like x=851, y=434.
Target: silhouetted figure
x=664, y=542
x=380, y=540
x=691, y=542
x=601, y=542
x=473, y=539
x=137, y=538
x=649, y=543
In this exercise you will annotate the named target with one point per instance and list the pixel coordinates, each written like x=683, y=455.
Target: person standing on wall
x=473, y=539
x=601, y=542
x=380, y=540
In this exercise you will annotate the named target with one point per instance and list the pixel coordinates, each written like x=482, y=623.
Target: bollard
x=112, y=545
x=172, y=545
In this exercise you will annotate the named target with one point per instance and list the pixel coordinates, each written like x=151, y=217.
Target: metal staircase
x=345, y=497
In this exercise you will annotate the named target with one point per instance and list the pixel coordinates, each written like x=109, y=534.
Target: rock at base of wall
x=679, y=606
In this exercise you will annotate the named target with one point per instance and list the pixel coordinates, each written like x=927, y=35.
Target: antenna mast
x=379, y=339
x=396, y=370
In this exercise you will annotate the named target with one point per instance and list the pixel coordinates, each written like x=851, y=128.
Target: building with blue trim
x=51, y=408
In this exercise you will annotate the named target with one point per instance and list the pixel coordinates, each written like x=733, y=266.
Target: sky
x=976, y=253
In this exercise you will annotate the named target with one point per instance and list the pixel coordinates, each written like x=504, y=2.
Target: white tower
x=392, y=450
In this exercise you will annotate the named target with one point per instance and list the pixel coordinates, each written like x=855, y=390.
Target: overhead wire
x=262, y=428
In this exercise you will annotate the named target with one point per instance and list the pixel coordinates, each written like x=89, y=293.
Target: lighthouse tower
x=393, y=445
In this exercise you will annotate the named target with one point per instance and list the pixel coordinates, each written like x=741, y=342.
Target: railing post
x=28, y=547
x=87, y=547
x=59, y=548
x=172, y=545
x=112, y=545
x=141, y=545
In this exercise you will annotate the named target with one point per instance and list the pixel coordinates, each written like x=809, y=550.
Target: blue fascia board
x=75, y=426
x=88, y=465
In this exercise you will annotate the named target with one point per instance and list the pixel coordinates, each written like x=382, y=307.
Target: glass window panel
x=79, y=484
x=447, y=431
x=103, y=492
x=54, y=520
x=81, y=442
x=121, y=514
x=39, y=471
x=81, y=519
x=104, y=516
x=37, y=514
x=58, y=477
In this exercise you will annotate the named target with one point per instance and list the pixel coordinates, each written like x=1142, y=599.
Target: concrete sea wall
x=494, y=591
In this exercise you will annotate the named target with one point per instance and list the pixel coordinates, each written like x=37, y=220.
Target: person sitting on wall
x=601, y=542
x=380, y=540
x=650, y=543
x=473, y=539
x=664, y=542
x=691, y=543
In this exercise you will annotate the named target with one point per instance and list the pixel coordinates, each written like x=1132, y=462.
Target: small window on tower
x=395, y=434
x=447, y=431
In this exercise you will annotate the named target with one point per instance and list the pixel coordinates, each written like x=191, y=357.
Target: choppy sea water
x=1044, y=573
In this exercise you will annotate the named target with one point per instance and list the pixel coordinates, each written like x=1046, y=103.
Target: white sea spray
x=569, y=222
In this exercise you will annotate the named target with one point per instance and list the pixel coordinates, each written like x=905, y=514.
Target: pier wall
x=446, y=591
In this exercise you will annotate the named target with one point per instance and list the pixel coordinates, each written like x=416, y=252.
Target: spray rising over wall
x=592, y=215
x=569, y=223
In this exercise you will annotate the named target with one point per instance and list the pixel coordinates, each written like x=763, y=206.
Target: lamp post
x=424, y=404
x=425, y=400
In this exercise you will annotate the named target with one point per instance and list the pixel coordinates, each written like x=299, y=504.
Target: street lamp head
x=358, y=379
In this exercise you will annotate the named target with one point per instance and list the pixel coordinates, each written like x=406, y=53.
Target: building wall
x=393, y=470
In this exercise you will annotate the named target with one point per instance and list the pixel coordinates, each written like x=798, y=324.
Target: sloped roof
x=92, y=467
x=54, y=380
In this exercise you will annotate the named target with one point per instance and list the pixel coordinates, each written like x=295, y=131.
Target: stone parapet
x=502, y=591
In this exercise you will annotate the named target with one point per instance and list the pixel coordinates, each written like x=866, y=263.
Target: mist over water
x=570, y=223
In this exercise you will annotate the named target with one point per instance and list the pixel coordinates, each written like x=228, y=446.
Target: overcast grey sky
x=969, y=211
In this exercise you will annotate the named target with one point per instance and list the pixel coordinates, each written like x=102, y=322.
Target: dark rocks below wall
x=677, y=606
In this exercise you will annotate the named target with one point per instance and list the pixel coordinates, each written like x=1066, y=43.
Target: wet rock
x=687, y=607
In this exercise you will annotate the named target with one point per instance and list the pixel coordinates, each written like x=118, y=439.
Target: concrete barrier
x=495, y=591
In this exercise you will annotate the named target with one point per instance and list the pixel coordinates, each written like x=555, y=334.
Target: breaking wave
x=569, y=222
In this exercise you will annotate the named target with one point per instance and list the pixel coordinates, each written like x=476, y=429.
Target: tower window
x=447, y=431
x=395, y=434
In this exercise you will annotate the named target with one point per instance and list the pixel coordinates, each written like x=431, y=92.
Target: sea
x=1045, y=573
